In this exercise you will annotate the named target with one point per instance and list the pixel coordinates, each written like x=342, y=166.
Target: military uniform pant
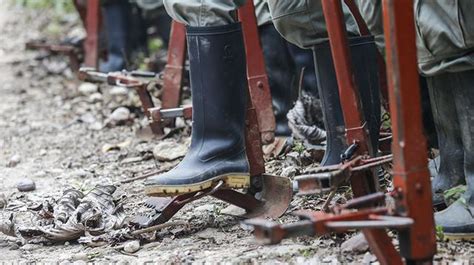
x=299, y=21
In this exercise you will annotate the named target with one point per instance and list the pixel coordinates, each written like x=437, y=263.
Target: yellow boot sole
x=460, y=236
x=231, y=180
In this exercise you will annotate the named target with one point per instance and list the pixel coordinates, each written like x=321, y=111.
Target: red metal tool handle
x=174, y=70
x=256, y=73
x=91, y=45
x=411, y=176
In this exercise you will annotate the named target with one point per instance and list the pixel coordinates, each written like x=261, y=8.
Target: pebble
x=132, y=246
x=169, y=151
x=293, y=158
x=88, y=118
x=14, y=161
x=205, y=208
x=79, y=256
x=368, y=258
x=357, y=244
x=87, y=89
x=40, y=174
x=29, y=247
x=118, y=91
x=96, y=97
x=26, y=185
x=96, y=126
x=289, y=172
x=80, y=173
x=120, y=114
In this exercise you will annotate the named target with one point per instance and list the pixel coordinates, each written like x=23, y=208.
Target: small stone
x=118, y=91
x=29, y=247
x=87, y=89
x=357, y=244
x=80, y=173
x=14, y=161
x=132, y=246
x=368, y=258
x=96, y=126
x=131, y=160
x=293, y=158
x=80, y=256
x=56, y=171
x=26, y=185
x=43, y=152
x=169, y=151
x=289, y=172
x=96, y=97
x=120, y=115
x=205, y=208
x=39, y=174
x=88, y=118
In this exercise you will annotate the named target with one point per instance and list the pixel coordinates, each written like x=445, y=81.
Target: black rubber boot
x=457, y=220
x=281, y=73
x=303, y=59
x=363, y=51
x=115, y=19
x=450, y=170
x=219, y=96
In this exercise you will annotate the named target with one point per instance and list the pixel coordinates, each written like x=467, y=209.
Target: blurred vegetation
x=59, y=6
x=58, y=10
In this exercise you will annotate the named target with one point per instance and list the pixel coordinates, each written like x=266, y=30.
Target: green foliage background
x=59, y=6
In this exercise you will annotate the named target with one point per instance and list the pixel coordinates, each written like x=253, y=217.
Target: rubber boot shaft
x=219, y=96
x=363, y=52
x=281, y=73
x=303, y=59
x=458, y=219
x=450, y=169
x=115, y=19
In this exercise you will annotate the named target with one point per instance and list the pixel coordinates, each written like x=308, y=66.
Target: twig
x=325, y=206
x=157, y=227
x=142, y=176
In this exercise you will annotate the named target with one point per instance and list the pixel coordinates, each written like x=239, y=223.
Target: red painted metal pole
x=256, y=73
x=174, y=70
x=354, y=120
x=82, y=10
x=411, y=175
x=362, y=183
x=92, y=41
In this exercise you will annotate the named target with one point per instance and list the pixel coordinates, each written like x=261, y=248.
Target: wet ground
x=61, y=136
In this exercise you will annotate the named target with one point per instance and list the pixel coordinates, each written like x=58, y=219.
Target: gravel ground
x=61, y=136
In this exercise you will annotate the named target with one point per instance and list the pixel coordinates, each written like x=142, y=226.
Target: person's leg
x=116, y=20
x=451, y=155
x=457, y=220
x=281, y=73
x=219, y=94
x=303, y=59
x=203, y=13
x=302, y=22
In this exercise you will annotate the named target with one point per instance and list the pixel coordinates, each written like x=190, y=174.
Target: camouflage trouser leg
x=203, y=13
x=302, y=23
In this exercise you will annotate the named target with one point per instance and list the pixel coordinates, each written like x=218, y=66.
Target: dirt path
x=59, y=133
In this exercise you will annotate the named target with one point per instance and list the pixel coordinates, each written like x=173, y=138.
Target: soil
x=63, y=138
